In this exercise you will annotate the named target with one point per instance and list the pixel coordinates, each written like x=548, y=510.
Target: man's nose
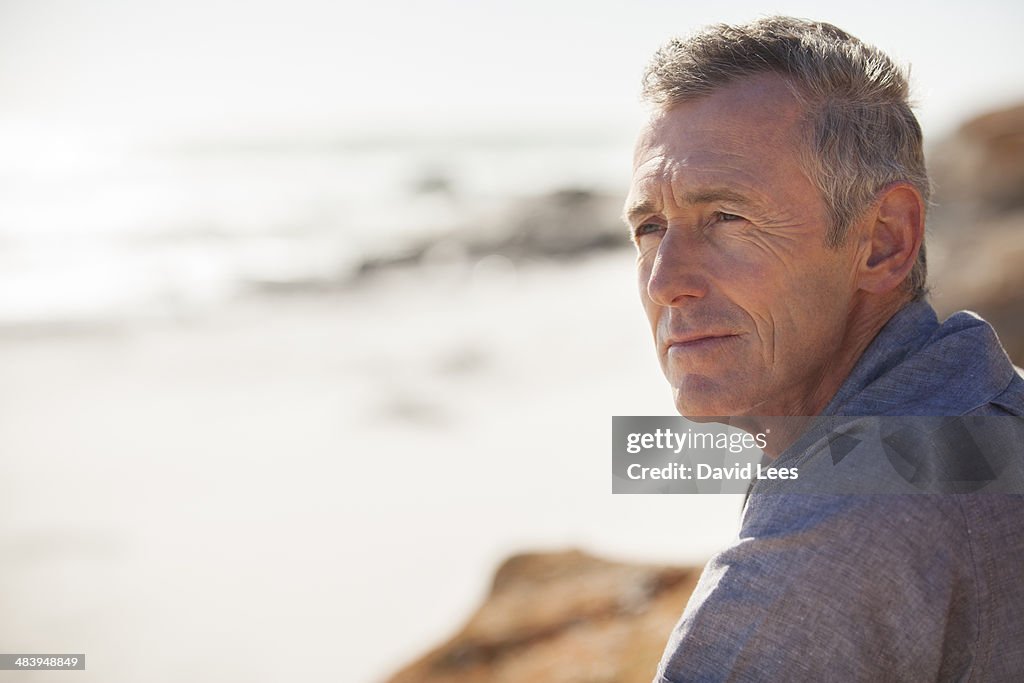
x=678, y=274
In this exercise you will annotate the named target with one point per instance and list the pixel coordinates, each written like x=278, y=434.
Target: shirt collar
x=917, y=366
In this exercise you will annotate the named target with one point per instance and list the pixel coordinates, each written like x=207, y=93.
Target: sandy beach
x=320, y=485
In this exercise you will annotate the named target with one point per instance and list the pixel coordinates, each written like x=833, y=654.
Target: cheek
x=643, y=277
x=756, y=285
x=643, y=273
x=808, y=310
x=824, y=291
x=774, y=297
x=645, y=263
x=746, y=261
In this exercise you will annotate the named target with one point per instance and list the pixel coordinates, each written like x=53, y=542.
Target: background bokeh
x=313, y=312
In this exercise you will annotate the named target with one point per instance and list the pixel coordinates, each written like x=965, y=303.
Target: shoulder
x=841, y=587
x=917, y=366
x=912, y=454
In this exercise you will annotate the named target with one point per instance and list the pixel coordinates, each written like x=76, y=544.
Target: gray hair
x=861, y=132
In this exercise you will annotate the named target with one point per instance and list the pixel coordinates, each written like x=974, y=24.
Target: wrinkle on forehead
x=714, y=140
x=761, y=107
x=663, y=180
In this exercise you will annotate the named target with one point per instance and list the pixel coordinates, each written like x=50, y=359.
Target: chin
x=701, y=409
x=699, y=397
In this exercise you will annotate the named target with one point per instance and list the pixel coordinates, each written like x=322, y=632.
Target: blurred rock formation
x=563, y=224
x=976, y=233
x=564, y=617
x=981, y=166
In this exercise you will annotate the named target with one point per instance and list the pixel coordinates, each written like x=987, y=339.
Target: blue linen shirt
x=899, y=587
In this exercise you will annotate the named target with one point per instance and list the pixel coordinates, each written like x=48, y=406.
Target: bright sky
x=205, y=66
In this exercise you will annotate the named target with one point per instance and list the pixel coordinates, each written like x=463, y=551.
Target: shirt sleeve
x=846, y=588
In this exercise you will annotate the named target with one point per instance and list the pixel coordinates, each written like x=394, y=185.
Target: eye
x=727, y=217
x=647, y=229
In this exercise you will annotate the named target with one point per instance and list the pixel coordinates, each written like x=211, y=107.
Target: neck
x=868, y=315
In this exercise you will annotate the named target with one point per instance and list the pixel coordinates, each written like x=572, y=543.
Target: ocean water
x=99, y=228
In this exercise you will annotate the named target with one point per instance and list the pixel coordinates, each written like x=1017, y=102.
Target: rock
x=564, y=224
x=976, y=228
x=980, y=270
x=982, y=163
x=563, y=617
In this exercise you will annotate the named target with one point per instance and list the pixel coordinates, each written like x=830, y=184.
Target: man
x=778, y=205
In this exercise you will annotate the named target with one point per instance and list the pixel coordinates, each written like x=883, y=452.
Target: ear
x=893, y=233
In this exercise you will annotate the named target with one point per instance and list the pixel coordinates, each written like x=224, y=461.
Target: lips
x=697, y=341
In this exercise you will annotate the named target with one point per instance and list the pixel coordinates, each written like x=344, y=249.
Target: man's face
x=748, y=306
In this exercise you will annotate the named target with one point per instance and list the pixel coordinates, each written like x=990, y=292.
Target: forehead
x=748, y=133
x=759, y=109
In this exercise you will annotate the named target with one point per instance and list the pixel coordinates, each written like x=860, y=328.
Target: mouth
x=699, y=342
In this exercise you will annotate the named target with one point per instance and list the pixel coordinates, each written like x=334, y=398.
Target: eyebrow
x=638, y=210
x=645, y=207
x=717, y=194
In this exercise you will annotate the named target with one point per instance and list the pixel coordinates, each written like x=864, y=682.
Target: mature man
x=778, y=206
